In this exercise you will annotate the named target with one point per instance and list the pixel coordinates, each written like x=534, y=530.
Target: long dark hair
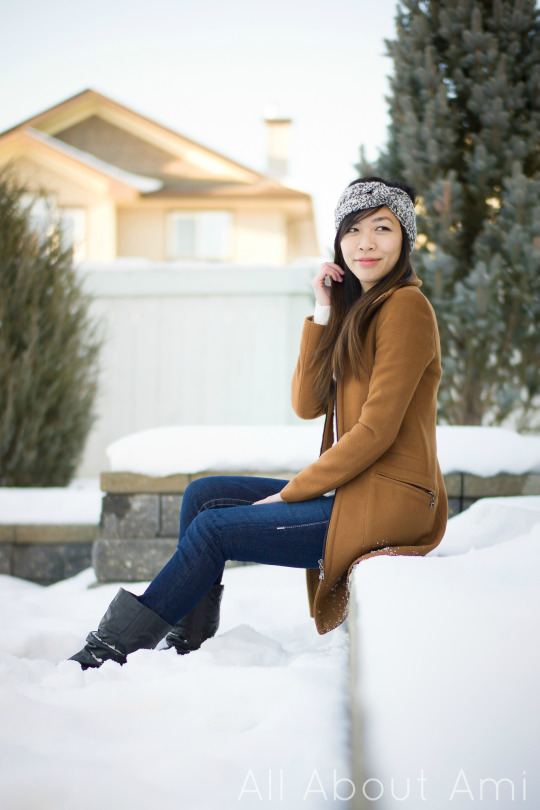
x=352, y=309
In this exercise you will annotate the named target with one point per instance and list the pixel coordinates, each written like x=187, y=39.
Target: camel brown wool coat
x=390, y=496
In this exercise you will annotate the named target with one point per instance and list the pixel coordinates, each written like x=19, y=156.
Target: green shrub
x=48, y=351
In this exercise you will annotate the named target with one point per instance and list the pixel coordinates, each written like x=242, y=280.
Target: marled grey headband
x=371, y=194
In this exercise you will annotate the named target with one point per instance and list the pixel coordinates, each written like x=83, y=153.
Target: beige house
x=125, y=186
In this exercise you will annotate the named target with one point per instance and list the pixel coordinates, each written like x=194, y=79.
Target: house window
x=73, y=229
x=199, y=235
x=44, y=215
x=40, y=210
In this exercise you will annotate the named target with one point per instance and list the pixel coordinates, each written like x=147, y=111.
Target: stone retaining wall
x=138, y=531
x=464, y=489
x=45, y=554
x=139, y=521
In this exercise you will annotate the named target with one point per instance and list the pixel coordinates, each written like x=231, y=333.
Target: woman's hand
x=271, y=499
x=322, y=292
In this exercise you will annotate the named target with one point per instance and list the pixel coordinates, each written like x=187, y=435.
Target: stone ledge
x=125, y=483
x=7, y=533
x=47, y=534
x=504, y=484
x=457, y=484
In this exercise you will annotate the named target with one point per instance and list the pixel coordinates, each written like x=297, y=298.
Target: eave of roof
x=143, y=184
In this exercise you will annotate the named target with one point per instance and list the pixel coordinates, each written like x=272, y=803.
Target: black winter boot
x=127, y=626
x=199, y=624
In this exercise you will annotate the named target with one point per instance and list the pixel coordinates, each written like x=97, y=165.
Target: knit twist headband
x=372, y=194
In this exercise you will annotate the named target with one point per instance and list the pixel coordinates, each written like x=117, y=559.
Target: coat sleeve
x=304, y=402
x=405, y=344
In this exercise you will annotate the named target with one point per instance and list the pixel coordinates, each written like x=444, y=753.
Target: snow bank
x=80, y=503
x=254, y=713
x=489, y=522
x=272, y=448
x=192, y=449
x=487, y=451
x=449, y=666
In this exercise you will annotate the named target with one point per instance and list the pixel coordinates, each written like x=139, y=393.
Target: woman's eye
x=383, y=228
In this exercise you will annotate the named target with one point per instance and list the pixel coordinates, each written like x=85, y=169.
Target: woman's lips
x=366, y=261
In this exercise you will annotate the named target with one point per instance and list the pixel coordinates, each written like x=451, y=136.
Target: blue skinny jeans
x=219, y=522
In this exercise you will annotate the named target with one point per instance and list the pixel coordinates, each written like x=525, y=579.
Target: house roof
x=146, y=156
x=139, y=182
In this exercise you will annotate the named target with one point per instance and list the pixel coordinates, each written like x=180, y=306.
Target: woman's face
x=371, y=247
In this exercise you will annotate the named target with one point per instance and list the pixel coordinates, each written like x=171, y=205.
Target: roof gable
x=138, y=181
x=131, y=153
x=103, y=129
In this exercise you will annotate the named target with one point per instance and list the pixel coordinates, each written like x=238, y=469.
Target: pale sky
x=209, y=69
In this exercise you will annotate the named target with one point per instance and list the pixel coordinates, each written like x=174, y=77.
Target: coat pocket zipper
x=429, y=492
x=415, y=486
x=423, y=489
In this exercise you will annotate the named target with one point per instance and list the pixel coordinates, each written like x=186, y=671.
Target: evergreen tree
x=465, y=131
x=48, y=351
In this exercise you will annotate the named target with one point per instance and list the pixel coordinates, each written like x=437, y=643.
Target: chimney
x=278, y=132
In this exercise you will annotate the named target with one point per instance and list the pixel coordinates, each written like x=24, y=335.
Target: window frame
x=201, y=219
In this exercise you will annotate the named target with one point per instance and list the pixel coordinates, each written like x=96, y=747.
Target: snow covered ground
x=447, y=670
x=448, y=663
x=448, y=666
x=257, y=717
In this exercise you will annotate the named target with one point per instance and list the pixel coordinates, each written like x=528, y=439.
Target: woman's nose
x=365, y=242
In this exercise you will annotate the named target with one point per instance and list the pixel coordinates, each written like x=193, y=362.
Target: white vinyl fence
x=193, y=344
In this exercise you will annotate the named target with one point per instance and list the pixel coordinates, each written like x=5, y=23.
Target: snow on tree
x=48, y=350
x=464, y=130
